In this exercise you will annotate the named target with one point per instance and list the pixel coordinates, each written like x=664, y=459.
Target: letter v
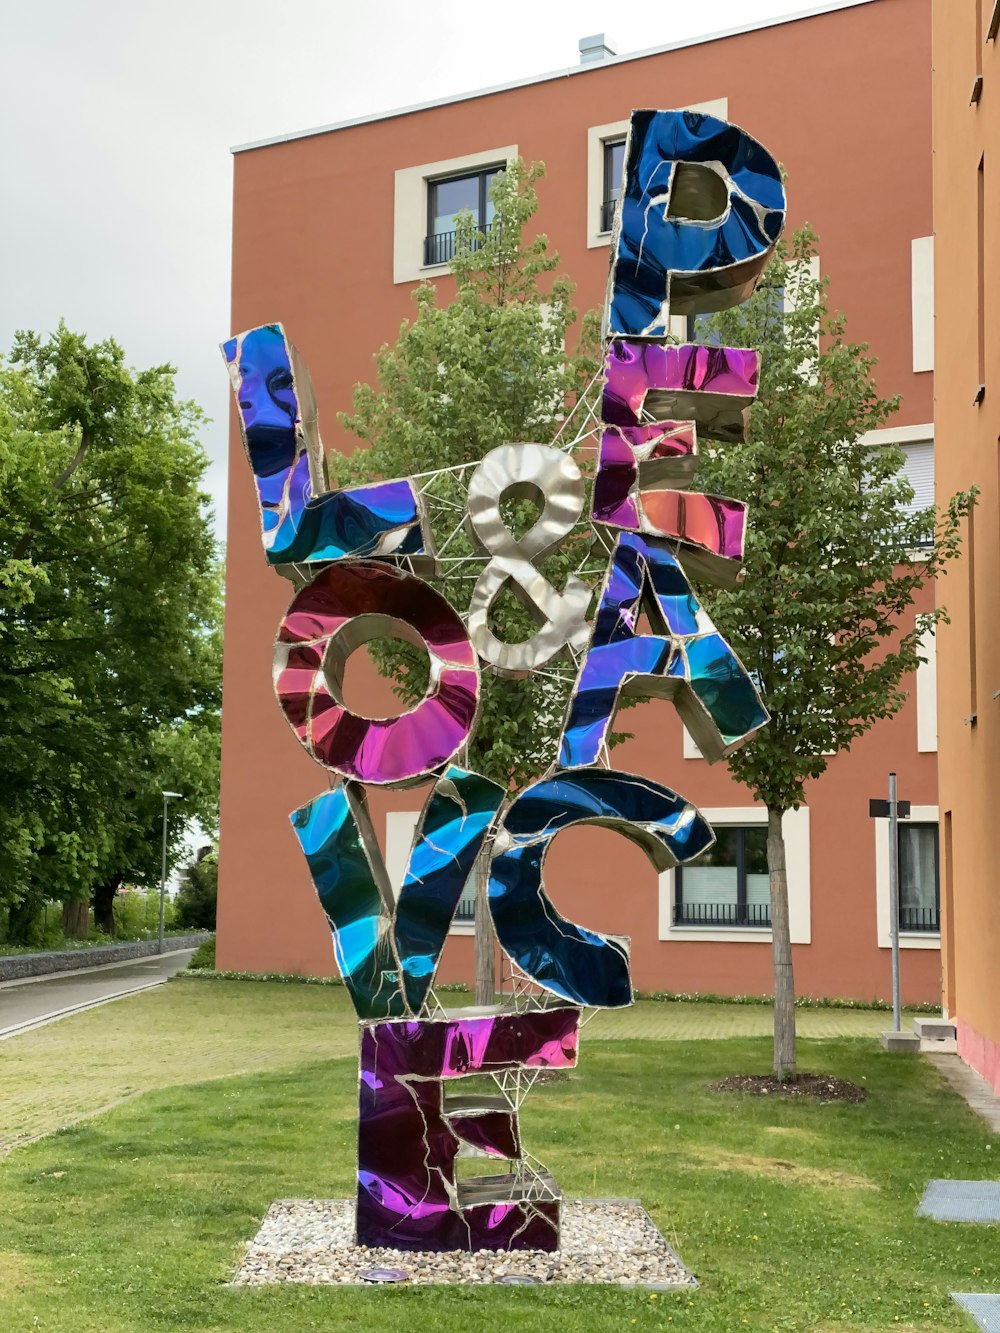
x=388, y=952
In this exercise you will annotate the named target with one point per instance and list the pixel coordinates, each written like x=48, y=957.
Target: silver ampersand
x=550, y=477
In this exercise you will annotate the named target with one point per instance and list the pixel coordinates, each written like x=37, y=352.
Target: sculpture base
x=602, y=1241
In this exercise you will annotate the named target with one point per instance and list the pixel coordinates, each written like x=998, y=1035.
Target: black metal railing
x=608, y=213
x=440, y=248
x=722, y=914
x=920, y=918
x=466, y=909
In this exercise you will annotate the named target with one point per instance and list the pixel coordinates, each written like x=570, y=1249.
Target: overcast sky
x=117, y=116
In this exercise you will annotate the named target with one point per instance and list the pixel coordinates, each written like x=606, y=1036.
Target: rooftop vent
x=594, y=48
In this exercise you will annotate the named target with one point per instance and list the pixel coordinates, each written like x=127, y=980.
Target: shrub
x=137, y=914
x=197, y=894
x=204, y=956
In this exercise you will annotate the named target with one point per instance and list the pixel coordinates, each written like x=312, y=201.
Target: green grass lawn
x=194, y=1029
x=792, y=1216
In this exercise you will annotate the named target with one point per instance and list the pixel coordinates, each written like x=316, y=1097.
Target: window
x=917, y=445
x=678, y=918
x=782, y=301
x=919, y=886
x=400, y=826
x=728, y=885
x=919, y=914
x=605, y=158
x=465, y=912
x=445, y=200
x=421, y=202
x=614, y=165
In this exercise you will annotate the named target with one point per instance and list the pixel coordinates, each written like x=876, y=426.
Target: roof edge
x=830, y=7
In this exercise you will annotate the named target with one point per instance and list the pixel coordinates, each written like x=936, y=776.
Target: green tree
x=196, y=898
x=835, y=555
x=488, y=369
x=110, y=596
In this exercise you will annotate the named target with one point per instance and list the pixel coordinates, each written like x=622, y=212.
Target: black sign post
x=893, y=810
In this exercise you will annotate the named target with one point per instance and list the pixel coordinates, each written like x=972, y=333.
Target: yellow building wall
x=967, y=453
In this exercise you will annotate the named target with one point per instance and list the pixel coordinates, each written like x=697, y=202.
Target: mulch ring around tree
x=818, y=1087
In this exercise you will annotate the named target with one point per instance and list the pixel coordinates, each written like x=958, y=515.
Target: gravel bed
x=608, y=1241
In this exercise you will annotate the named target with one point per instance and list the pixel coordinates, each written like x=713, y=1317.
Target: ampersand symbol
x=550, y=477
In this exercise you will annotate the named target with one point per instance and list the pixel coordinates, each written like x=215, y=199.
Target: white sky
x=117, y=116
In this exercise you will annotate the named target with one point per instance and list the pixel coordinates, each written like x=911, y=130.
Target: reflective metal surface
x=345, y=606
x=550, y=477
x=631, y=457
x=710, y=528
x=712, y=387
x=701, y=210
x=408, y=1194
x=686, y=660
x=386, y=951
x=301, y=521
x=453, y=824
x=339, y=843
x=570, y=961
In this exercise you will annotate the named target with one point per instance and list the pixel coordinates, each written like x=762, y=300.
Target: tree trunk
x=21, y=918
x=486, y=971
x=103, y=902
x=784, y=982
x=76, y=920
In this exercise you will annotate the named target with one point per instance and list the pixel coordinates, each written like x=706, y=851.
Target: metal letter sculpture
x=701, y=209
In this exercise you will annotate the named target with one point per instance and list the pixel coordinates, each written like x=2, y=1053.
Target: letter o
x=345, y=606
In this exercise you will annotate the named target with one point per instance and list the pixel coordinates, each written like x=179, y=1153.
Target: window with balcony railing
x=919, y=885
x=448, y=197
x=465, y=912
x=727, y=886
x=614, y=164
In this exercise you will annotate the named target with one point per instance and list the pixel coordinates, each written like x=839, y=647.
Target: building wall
x=967, y=277
x=317, y=245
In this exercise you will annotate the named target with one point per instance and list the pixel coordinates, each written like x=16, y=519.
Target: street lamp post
x=167, y=797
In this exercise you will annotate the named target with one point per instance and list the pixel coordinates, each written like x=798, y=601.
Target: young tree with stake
x=835, y=555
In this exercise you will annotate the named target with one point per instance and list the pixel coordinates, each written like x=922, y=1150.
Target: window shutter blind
x=919, y=470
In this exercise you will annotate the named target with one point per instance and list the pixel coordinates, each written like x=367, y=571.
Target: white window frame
x=597, y=137
x=917, y=939
x=400, y=826
x=409, y=223
x=926, y=691
x=922, y=302
x=795, y=826
x=689, y=747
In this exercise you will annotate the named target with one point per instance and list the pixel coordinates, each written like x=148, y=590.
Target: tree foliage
x=196, y=898
x=488, y=369
x=110, y=595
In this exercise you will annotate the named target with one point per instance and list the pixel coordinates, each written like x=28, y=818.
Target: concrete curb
x=56, y=1014
x=72, y=960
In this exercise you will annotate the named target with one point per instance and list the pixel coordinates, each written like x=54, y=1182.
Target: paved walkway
x=968, y=1084
x=33, y=1001
x=655, y=1020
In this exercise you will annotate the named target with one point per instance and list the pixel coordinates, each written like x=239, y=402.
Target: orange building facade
x=967, y=409
x=334, y=228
